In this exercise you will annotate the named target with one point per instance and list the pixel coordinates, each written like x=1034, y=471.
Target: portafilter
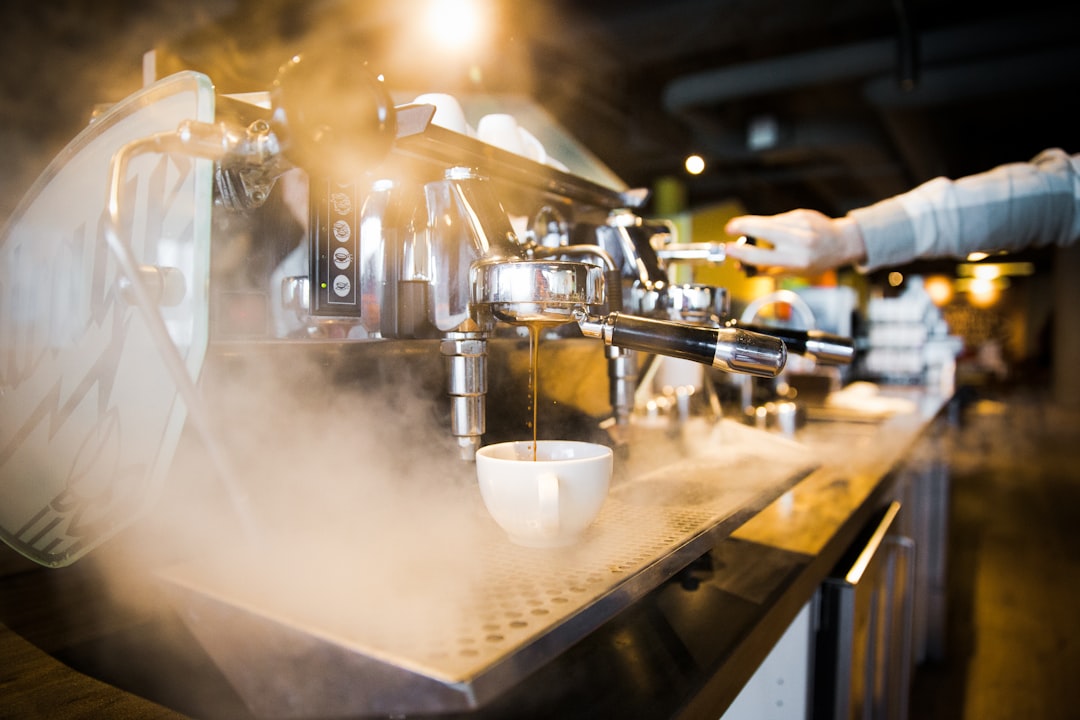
x=556, y=292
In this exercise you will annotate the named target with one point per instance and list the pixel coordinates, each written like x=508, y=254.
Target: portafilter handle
x=821, y=347
x=727, y=348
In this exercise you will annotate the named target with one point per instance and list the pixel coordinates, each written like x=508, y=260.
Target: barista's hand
x=802, y=241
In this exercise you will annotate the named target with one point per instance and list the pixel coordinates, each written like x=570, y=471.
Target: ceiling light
x=993, y=270
x=695, y=164
x=455, y=25
x=983, y=292
x=940, y=289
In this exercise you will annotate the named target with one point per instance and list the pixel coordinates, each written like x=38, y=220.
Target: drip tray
x=475, y=617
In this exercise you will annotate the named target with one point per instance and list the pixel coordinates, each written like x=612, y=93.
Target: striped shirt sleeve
x=1008, y=208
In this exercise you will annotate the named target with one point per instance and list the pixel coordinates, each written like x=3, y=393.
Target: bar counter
x=684, y=650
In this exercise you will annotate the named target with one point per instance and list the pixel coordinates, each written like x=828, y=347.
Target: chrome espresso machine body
x=410, y=238
x=328, y=221
x=318, y=215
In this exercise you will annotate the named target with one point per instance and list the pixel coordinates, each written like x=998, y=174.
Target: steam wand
x=145, y=284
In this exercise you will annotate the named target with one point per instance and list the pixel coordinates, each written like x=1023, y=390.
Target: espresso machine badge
x=89, y=414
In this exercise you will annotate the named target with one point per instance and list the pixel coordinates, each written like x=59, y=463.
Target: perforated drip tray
x=475, y=615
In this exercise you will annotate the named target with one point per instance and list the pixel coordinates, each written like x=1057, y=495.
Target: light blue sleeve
x=1008, y=208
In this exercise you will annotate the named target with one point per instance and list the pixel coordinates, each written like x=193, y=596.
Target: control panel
x=335, y=236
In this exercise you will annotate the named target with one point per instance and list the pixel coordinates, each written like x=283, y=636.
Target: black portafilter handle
x=733, y=349
x=821, y=347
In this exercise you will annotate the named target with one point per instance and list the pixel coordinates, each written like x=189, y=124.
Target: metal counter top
x=683, y=649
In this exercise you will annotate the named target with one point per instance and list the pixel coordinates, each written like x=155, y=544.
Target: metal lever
x=704, y=252
x=729, y=348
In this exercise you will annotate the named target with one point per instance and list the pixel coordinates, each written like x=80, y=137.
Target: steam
x=360, y=505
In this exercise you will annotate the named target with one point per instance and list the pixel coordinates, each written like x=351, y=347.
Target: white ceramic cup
x=502, y=131
x=549, y=502
x=448, y=111
x=531, y=147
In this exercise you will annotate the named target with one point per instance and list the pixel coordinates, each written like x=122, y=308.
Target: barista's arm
x=1008, y=208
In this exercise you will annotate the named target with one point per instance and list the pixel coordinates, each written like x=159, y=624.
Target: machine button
x=342, y=231
x=342, y=258
x=342, y=286
x=341, y=203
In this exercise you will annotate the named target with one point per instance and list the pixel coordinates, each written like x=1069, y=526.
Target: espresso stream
x=534, y=372
x=534, y=377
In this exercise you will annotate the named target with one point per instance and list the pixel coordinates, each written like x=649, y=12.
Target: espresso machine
x=322, y=218
x=409, y=238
